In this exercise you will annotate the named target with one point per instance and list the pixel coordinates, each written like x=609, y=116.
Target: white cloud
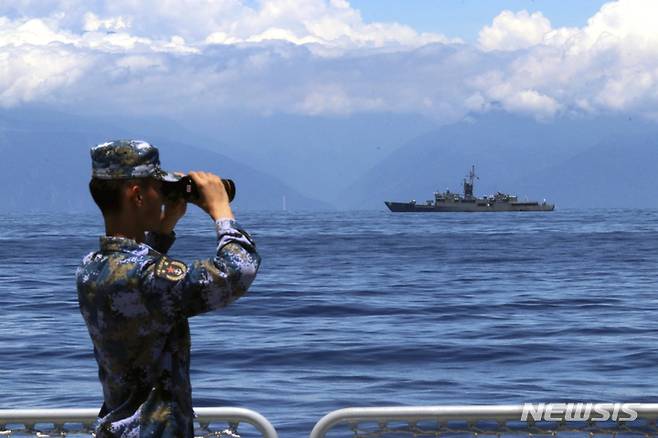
x=37, y=73
x=611, y=64
x=532, y=102
x=331, y=22
x=36, y=61
x=321, y=57
x=276, y=33
x=30, y=32
x=115, y=46
x=513, y=31
x=628, y=23
x=221, y=38
x=332, y=99
x=93, y=24
x=628, y=88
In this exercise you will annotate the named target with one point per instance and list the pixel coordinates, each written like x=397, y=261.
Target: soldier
x=136, y=300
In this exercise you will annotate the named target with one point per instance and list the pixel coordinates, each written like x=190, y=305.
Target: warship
x=454, y=202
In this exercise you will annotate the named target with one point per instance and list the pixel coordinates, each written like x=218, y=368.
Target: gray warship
x=454, y=202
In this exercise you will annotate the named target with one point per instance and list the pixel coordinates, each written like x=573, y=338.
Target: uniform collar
x=124, y=244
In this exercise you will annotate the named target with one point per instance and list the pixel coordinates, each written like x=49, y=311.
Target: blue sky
x=465, y=18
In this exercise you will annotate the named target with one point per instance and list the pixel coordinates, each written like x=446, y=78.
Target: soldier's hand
x=212, y=195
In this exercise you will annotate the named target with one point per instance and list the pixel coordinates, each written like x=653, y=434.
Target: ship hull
x=470, y=207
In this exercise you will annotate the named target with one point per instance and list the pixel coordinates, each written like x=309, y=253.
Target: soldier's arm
x=179, y=290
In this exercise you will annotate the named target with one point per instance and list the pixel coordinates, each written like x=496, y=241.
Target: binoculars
x=186, y=188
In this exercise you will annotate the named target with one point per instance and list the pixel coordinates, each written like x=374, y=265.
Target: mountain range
x=318, y=163
x=46, y=164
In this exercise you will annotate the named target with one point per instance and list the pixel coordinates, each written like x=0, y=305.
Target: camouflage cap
x=125, y=159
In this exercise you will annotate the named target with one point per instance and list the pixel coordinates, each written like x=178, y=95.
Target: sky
x=441, y=59
x=465, y=18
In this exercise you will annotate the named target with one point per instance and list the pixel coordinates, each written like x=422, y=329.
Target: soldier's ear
x=138, y=195
x=134, y=193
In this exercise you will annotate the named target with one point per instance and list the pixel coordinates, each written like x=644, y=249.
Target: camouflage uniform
x=136, y=300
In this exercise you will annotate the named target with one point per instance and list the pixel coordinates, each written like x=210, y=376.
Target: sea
x=366, y=308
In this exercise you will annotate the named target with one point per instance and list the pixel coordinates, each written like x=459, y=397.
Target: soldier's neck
x=123, y=227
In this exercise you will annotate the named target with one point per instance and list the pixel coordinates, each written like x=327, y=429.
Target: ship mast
x=468, y=183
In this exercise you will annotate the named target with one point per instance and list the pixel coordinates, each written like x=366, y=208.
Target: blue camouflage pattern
x=136, y=302
x=125, y=159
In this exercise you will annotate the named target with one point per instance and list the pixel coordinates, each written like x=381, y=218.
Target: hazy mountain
x=509, y=153
x=46, y=166
x=620, y=171
x=572, y=162
x=317, y=156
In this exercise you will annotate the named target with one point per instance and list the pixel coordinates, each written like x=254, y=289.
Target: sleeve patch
x=170, y=269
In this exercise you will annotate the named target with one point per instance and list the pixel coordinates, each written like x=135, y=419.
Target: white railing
x=49, y=422
x=414, y=421
x=435, y=421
